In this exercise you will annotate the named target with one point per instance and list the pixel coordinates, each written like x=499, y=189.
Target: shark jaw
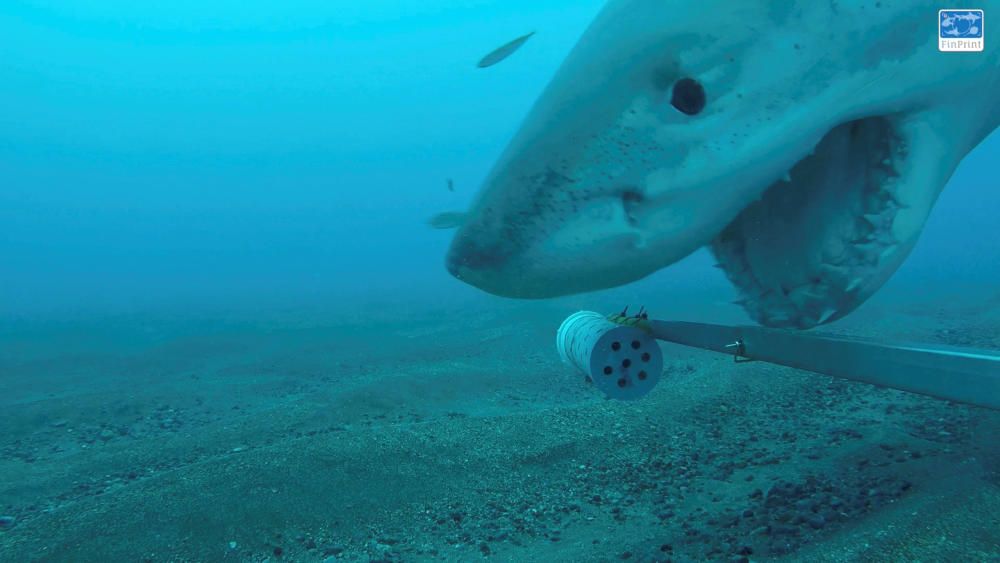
x=822, y=239
x=830, y=233
x=810, y=180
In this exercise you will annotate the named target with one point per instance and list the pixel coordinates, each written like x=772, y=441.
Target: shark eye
x=688, y=96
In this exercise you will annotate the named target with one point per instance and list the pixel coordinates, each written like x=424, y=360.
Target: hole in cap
x=626, y=363
x=642, y=375
x=608, y=370
x=645, y=356
x=616, y=345
x=636, y=344
x=622, y=382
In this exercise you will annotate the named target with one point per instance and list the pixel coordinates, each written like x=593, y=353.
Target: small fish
x=447, y=220
x=451, y=185
x=504, y=51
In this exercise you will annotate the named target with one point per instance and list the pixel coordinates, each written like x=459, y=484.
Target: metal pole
x=964, y=375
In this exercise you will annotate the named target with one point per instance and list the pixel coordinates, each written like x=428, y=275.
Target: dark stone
x=816, y=521
x=785, y=531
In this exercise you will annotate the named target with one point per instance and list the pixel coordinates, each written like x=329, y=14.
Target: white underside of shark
x=804, y=141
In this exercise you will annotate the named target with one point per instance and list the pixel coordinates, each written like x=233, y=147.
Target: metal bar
x=965, y=375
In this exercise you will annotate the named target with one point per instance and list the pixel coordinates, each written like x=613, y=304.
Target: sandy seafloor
x=453, y=433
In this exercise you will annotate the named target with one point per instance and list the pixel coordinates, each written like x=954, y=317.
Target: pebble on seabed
x=7, y=522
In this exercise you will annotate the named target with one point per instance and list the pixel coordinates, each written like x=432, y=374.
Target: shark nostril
x=474, y=255
x=631, y=196
x=631, y=200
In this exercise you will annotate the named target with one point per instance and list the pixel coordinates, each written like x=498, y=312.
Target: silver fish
x=504, y=51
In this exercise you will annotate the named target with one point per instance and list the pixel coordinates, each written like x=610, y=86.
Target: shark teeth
x=777, y=317
x=869, y=251
x=826, y=314
x=893, y=196
x=874, y=220
x=886, y=238
x=864, y=231
x=833, y=275
x=805, y=293
x=854, y=284
x=839, y=273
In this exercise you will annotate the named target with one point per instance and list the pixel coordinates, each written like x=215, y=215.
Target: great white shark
x=804, y=141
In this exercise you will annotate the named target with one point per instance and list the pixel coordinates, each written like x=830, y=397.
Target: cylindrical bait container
x=624, y=362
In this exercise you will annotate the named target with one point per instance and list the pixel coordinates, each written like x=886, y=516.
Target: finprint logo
x=960, y=30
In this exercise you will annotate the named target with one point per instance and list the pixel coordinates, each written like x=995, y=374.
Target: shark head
x=804, y=142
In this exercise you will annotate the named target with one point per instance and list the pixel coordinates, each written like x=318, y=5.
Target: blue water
x=176, y=158
x=248, y=152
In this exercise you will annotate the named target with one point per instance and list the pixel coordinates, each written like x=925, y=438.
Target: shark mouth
x=827, y=235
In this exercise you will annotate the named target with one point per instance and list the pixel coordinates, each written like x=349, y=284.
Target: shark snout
x=497, y=262
x=472, y=259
